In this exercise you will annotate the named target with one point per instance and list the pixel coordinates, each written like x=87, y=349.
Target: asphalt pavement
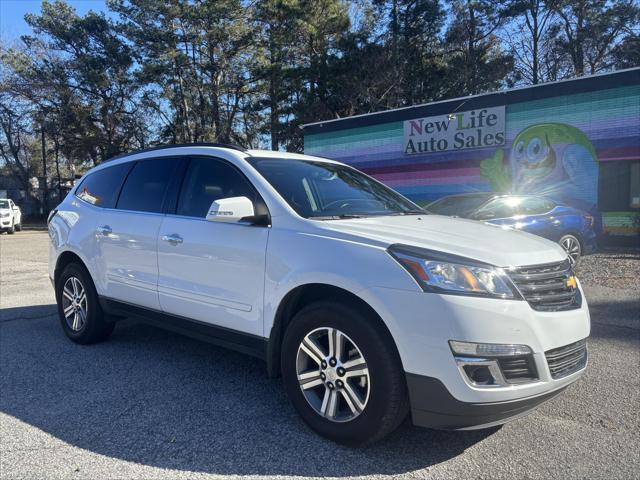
x=151, y=404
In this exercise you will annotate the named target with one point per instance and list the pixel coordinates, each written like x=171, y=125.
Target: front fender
x=295, y=259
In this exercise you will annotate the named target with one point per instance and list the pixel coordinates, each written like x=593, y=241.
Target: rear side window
x=146, y=185
x=535, y=206
x=101, y=188
x=499, y=208
x=208, y=179
x=460, y=206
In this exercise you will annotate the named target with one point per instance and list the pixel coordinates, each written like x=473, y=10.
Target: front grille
x=518, y=369
x=566, y=360
x=546, y=287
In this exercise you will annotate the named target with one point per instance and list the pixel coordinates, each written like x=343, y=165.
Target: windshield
x=328, y=191
x=4, y=203
x=460, y=206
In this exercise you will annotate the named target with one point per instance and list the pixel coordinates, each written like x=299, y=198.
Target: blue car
x=572, y=228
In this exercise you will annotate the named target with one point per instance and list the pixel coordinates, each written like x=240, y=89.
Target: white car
x=368, y=307
x=10, y=216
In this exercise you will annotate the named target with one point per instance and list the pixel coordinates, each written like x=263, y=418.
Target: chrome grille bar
x=566, y=360
x=546, y=287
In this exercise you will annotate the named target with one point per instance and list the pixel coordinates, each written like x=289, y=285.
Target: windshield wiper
x=411, y=212
x=337, y=217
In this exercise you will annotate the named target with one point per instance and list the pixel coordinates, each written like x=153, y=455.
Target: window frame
x=258, y=203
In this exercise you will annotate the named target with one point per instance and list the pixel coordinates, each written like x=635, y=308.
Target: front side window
x=208, y=179
x=327, y=191
x=101, y=188
x=145, y=187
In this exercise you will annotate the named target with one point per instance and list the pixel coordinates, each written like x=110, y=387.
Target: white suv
x=10, y=216
x=368, y=307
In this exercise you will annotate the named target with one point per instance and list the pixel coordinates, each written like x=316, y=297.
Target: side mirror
x=230, y=210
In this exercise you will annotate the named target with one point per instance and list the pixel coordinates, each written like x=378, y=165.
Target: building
x=31, y=201
x=577, y=141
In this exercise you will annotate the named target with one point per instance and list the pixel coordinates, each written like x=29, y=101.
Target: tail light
x=589, y=220
x=52, y=214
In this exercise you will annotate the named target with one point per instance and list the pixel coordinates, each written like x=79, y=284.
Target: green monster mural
x=552, y=159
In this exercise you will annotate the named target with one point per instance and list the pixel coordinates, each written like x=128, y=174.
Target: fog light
x=488, y=349
x=480, y=374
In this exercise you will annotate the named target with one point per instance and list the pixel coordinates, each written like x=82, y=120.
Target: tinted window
x=4, y=204
x=498, y=208
x=101, y=188
x=322, y=189
x=461, y=206
x=207, y=180
x=535, y=206
x=146, y=185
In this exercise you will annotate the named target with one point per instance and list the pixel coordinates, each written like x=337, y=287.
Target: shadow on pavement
x=159, y=399
x=619, y=319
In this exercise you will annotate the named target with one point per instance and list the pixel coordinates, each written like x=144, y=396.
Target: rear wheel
x=12, y=229
x=18, y=227
x=79, y=310
x=572, y=246
x=342, y=374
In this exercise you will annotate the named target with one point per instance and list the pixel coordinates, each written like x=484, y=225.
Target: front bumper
x=433, y=406
x=423, y=323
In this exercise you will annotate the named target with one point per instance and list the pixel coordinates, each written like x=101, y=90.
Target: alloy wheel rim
x=333, y=374
x=74, y=304
x=572, y=247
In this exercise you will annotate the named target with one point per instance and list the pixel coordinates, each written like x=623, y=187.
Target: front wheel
x=18, y=227
x=12, y=229
x=572, y=246
x=343, y=375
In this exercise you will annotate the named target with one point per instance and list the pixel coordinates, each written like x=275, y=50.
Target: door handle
x=105, y=230
x=174, y=239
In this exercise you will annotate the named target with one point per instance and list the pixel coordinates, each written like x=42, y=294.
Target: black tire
x=387, y=404
x=573, y=246
x=95, y=327
x=12, y=229
x=18, y=227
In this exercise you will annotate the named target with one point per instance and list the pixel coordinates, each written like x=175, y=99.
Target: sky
x=12, y=24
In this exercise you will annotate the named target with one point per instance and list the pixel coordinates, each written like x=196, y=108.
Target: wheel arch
x=303, y=295
x=575, y=234
x=64, y=259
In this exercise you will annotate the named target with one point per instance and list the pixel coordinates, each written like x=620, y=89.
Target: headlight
x=443, y=273
x=5, y=214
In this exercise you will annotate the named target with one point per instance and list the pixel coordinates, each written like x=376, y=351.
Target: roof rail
x=177, y=145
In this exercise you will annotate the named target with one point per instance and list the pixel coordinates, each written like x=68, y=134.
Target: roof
x=177, y=145
x=589, y=83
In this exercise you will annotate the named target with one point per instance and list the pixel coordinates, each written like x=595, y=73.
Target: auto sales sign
x=455, y=131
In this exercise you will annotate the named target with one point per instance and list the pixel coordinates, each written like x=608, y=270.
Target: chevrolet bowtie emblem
x=571, y=282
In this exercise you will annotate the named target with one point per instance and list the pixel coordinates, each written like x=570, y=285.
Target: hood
x=5, y=210
x=468, y=238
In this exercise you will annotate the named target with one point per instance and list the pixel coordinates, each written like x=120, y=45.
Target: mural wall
x=552, y=146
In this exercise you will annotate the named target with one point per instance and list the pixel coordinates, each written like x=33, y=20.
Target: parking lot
x=151, y=404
